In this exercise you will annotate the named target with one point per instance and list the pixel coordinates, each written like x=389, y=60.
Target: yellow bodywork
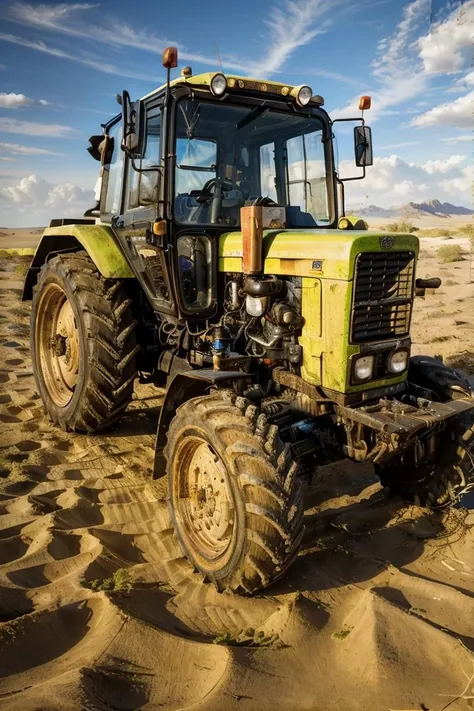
x=99, y=242
x=326, y=261
x=262, y=85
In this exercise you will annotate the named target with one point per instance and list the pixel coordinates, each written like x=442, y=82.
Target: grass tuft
x=435, y=232
x=449, y=253
x=402, y=226
x=121, y=581
x=25, y=252
x=343, y=633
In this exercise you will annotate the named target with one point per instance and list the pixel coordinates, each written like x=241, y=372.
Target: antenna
x=218, y=56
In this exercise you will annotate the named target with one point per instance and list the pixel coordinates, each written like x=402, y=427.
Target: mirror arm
x=357, y=177
x=362, y=120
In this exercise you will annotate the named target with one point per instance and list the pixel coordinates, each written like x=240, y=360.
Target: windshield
x=229, y=156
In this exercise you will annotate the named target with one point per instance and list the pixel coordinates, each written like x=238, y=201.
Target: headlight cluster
x=395, y=364
x=301, y=94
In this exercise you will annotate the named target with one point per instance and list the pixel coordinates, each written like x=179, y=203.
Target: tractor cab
x=180, y=164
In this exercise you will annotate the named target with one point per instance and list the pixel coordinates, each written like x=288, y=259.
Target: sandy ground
x=425, y=222
x=20, y=237
x=376, y=613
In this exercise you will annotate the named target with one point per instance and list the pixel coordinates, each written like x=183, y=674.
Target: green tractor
x=219, y=263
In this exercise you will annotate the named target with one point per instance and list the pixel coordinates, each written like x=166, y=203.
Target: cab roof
x=242, y=83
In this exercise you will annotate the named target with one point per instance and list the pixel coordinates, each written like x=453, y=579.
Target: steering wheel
x=208, y=191
x=212, y=183
x=265, y=202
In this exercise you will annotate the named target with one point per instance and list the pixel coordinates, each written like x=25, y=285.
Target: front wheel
x=442, y=479
x=236, y=500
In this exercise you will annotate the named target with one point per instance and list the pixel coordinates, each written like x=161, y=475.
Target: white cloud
x=291, y=25
x=393, y=181
x=31, y=128
x=459, y=139
x=87, y=60
x=445, y=48
x=16, y=101
x=464, y=82
x=459, y=113
x=396, y=76
x=18, y=149
x=34, y=201
x=443, y=165
x=393, y=146
x=65, y=18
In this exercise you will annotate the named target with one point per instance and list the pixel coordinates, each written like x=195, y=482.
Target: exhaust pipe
x=251, y=220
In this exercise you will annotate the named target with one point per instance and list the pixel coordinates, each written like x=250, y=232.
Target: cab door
x=133, y=205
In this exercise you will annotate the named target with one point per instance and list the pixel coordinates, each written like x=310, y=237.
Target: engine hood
x=325, y=254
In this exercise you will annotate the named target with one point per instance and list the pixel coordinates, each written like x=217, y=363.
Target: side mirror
x=95, y=148
x=130, y=124
x=363, y=146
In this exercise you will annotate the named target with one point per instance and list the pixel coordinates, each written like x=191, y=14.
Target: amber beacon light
x=170, y=57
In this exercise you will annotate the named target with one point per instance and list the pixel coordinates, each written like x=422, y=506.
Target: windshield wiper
x=252, y=115
x=191, y=125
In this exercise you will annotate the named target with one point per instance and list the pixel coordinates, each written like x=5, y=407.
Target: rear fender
x=99, y=242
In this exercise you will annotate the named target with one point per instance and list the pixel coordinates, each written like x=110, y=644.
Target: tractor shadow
x=355, y=531
x=142, y=415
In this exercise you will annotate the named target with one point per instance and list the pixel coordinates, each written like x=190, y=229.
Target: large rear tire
x=236, y=499
x=82, y=343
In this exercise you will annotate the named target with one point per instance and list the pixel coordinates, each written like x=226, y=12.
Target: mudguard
x=181, y=388
x=99, y=242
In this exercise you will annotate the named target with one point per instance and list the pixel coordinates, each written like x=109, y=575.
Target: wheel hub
x=205, y=503
x=57, y=341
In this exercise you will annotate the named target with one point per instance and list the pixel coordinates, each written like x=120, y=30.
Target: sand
x=376, y=613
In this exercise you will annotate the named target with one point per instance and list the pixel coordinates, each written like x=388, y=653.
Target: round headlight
x=397, y=362
x=303, y=97
x=364, y=367
x=218, y=84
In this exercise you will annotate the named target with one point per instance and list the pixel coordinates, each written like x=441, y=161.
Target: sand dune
x=376, y=613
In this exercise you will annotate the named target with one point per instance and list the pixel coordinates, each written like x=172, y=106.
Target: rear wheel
x=82, y=343
x=236, y=500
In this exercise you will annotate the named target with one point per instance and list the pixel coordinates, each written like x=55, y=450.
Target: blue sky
x=62, y=64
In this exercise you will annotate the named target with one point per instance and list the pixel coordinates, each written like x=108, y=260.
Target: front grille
x=383, y=295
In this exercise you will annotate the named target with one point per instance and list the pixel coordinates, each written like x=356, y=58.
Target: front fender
x=99, y=242
x=183, y=387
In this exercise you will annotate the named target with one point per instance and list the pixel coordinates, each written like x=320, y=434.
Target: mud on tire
x=265, y=504
x=106, y=344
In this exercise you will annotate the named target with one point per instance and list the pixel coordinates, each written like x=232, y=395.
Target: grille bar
x=383, y=295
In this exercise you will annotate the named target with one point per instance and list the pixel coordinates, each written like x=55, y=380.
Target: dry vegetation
x=450, y=253
x=448, y=232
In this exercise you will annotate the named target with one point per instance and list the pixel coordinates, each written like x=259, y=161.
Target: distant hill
x=414, y=209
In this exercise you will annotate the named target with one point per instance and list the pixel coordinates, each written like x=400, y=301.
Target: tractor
x=219, y=263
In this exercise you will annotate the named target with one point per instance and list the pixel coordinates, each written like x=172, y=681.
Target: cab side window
x=143, y=188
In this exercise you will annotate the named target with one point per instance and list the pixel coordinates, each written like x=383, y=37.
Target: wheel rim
x=57, y=344
x=203, y=501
